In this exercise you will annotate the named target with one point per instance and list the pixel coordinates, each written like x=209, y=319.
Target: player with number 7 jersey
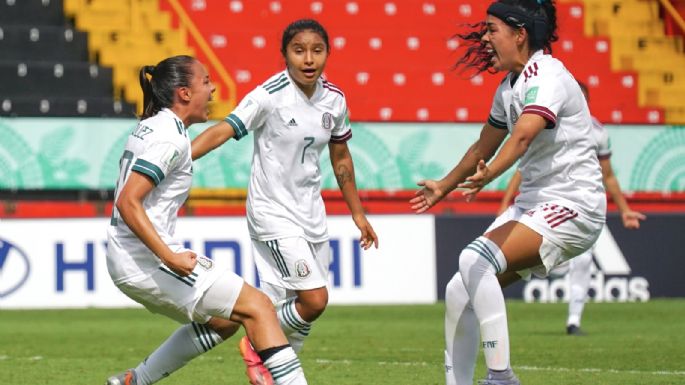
x=293, y=116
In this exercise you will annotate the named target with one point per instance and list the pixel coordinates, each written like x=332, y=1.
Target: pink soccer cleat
x=255, y=370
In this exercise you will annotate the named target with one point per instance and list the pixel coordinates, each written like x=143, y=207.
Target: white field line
x=523, y=368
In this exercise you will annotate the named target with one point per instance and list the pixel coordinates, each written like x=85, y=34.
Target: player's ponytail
x=165, y=78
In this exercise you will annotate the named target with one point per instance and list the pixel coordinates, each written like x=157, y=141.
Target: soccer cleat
x=255, y=370
x=574, y=330
x=506, y=377
x=126, y=378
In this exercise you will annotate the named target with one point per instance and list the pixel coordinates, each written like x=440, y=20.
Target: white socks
x=479, y=263
x=285, y=368
x=579, y=277
x=186, y=343
x=294, y=327
x=462, y=334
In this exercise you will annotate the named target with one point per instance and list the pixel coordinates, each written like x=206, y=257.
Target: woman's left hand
x=368, y=236
x=476, y=182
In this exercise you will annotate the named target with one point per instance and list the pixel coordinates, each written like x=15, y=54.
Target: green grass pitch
x=631, y=343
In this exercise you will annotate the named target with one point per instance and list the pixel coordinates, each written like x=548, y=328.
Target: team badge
x=327, y=121
x=513, y=116
x=205, y=263
x=303, y=270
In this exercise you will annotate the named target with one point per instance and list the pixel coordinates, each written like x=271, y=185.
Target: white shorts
x=566, y=232
x=292, y=263
x=207, y=292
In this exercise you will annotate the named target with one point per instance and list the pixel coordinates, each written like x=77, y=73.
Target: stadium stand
x=127, y=35
x=639, y=43
x=44, y=68
x=394, y=59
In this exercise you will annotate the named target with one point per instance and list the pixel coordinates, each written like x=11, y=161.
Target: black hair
x=300, y=25
x=538, y=17
x=168, y=75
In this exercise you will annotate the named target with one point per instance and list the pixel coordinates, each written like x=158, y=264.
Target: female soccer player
x=562, y=205
x=152, y=267
x=579, y=269
x=293, y=115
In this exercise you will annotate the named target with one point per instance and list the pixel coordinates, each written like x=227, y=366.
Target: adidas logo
x=292, y=123
x=611, y=282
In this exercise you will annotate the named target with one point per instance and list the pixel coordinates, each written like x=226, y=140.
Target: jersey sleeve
x=342, y=131
x=250, y=114
x=498, y=115
x=603, y=143
x=543, y=94
x=157, y=161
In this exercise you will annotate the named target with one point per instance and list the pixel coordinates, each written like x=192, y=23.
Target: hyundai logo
x=14, y=268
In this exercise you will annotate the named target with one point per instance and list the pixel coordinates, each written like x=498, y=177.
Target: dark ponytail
x=538, y=17
x=168, y=75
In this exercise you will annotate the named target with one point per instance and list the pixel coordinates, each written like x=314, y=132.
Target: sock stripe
x=290, y=318
x=481, y=248
x=201, y=337
x=283, y=370
x=479, y=252
x=484, y=247
x=210, y=336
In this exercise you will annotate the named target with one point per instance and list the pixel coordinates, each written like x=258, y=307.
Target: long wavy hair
x=477, y=59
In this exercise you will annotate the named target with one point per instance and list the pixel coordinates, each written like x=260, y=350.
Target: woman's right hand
x=427, y=197
x=181, y=263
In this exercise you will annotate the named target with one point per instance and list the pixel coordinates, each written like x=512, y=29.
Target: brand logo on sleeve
x=531, y=95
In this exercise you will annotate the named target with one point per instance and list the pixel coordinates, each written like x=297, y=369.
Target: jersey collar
x=179, y=122
x=317, y=92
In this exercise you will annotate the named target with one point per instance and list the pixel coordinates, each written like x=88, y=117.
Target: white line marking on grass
x=522, y=367
x=35, y=358
x=597, y=370
x=2, y=358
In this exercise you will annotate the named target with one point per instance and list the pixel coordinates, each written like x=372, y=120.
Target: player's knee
x=313, y=302
x=455, y=293
x=257, y=304
x=480, y=256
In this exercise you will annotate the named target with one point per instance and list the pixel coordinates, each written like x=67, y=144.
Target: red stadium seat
x=394, y=58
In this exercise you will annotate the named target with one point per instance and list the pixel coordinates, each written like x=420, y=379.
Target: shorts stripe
x=558, y=215
x=562, y=220
x=278, y=257
x=188, y=280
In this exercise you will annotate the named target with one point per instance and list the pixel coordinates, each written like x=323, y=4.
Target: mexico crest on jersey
x=205, y=262
x=302, y=268
x=327, y=121
x=513, y=116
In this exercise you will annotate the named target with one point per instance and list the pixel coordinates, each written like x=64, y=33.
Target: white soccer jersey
x=159, y=148
x=561, y=162
x=601, y=136
x=290, y=131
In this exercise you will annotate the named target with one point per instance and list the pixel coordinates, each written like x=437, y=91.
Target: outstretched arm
x=434, y=191
x=343, y=167
x=211, y=138
x=631, y=219
x=130, y=206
